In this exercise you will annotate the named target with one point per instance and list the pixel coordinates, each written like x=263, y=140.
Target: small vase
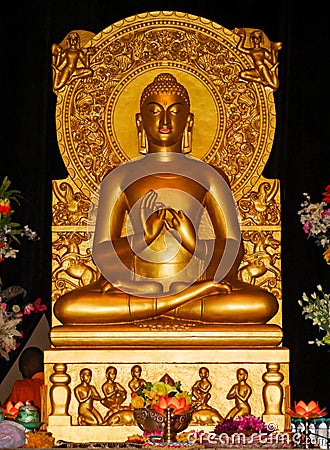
x=28, y=416
x=169, y=423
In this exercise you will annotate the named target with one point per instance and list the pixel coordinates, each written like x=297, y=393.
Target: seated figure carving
x=154, y=258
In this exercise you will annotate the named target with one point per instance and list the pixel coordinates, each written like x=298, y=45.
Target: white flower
x=9, y=334
x=10, y=319
x=317, y=309
x=315, y=218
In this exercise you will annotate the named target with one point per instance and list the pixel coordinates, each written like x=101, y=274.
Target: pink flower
x=307, y=227
x=326, y=213
x=38, y=306
x=28, y=308
x=178, y=405
x=34, y=307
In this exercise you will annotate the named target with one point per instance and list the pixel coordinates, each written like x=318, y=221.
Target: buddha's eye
x=175, y=109
x=154, y=109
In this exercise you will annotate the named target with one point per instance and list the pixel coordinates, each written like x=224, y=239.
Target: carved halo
x=234, y=119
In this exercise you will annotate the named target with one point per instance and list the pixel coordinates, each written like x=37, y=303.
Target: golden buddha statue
x=155, y=257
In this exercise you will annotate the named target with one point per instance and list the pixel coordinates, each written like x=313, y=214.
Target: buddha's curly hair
x=165, y=83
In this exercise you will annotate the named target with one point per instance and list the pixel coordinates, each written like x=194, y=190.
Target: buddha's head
x=165, y=121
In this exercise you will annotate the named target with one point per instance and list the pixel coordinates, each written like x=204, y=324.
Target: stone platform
x=268, y=375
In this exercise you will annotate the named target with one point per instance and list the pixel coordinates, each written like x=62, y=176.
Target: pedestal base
x=151, y=335
x=267, y=368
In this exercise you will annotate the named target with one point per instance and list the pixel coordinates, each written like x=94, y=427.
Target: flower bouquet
x=12, y=311
x=246, y=424
x=248, y=431
x=315, y=218
x=161, y=396
x=317, y=308
x=162, y=409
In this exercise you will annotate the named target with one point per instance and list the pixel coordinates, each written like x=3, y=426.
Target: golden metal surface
x=175, y=40
x=165, y=268
x=240, y=392
x=204, y=57
x=203, y=413
x=230, y=77
x=166, y=336
x=266, y=378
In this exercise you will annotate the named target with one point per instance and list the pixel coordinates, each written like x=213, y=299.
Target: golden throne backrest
x=235, y=118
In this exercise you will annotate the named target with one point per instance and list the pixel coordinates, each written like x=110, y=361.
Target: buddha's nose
x=165, y=124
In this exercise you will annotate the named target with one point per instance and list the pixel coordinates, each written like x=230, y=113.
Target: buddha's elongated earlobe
x=142, y=138
x=187, y=136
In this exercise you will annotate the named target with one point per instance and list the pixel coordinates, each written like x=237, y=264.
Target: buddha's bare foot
x=224, y=287
x=106, y=286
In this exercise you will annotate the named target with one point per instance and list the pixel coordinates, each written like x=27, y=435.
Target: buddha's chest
x=170, y=190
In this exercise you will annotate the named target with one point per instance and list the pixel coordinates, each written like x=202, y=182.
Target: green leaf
x=12, y=292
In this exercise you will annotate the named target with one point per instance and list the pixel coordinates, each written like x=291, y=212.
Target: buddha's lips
x=164, y=130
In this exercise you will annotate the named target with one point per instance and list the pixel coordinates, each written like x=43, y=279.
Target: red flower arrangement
x=161, y=396
x=315, y=218
x=12, y=316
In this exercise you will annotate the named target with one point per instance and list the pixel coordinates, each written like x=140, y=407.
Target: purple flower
x=245, y=423
x=307, y=227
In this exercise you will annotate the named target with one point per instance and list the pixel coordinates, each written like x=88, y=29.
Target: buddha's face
x=164, y=117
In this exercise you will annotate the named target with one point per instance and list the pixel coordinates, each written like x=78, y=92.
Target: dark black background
x=300, y=155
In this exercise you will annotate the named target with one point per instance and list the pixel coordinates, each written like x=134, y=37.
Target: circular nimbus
x=173, y=201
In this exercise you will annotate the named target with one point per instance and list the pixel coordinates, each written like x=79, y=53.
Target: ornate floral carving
x=70, y=207
x=261, y=263
x=261, y=205
x=71, y=267
x=246, y=120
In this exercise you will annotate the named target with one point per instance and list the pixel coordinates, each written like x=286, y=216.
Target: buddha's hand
x=152, y=216
x=185, y=229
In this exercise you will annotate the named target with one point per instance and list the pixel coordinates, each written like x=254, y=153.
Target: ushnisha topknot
x=165, y=83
